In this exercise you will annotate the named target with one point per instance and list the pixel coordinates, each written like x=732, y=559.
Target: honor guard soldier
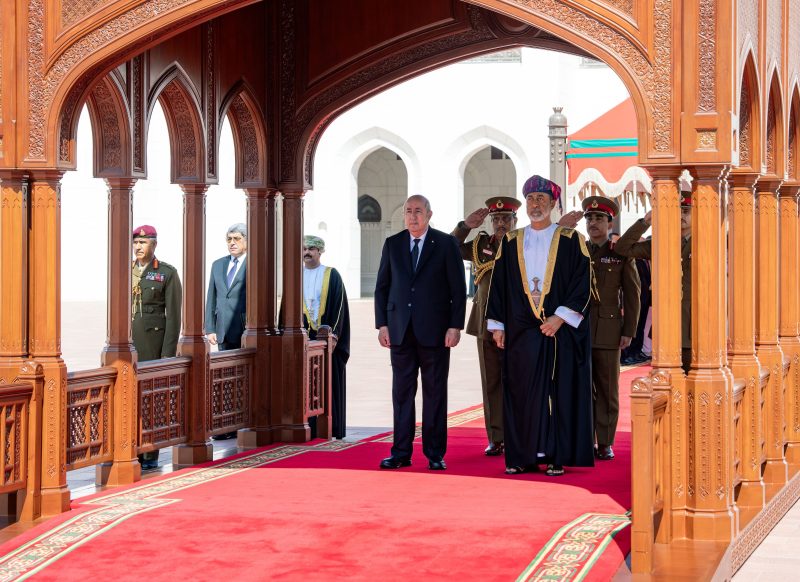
x=629, y=245
x=613, y=314
x=155, y=308
x=481, y=252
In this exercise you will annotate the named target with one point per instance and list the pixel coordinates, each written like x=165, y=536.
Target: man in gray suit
x=227, y=293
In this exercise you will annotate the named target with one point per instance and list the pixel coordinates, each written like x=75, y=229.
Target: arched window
x=369, y=209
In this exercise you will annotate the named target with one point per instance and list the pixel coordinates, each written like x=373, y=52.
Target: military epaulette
x=511, y=235
x=157, y=264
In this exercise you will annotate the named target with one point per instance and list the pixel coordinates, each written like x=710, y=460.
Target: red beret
x=686, y=197
x=145, y=231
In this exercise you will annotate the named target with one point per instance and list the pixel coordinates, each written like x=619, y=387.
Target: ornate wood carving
x=250, y=171
x=707, y=51
x=136, y=70
x=210, y=100
x=162, y=406
x=790, y=149
x=14, y=410
x=745, y=126
x=747, y=22
x=774, y=31
x=74, y=10
x=228, y=401
x=88, y=417
x=771, y=137
x=109, y=131
x=624, y=6
x=181, y=111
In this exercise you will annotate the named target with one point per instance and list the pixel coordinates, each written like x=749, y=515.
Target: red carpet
x=325, y=512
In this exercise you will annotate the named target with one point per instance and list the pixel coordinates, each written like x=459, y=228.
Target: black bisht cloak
x=335, y=313
x=547, y=396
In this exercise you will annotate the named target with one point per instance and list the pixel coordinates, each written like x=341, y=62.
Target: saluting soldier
x=629, y=245
x=613, y=313
x=155, y=307
x=481, y=251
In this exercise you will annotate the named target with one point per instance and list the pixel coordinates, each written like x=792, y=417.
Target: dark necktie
x=415, y=254
x=232, y=271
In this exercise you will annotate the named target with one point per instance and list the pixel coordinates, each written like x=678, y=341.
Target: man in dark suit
x=420, y=301
x=227, y=293
x=226, y=305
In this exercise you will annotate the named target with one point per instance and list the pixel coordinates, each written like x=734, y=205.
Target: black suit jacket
x=433, y=298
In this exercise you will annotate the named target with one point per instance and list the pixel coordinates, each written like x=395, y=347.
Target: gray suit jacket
x=226, y=308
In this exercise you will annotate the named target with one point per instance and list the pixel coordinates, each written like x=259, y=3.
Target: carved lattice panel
x=88, y=411
x=229, y=398
x=161, y=408
x=14, y=413
x=316, y=385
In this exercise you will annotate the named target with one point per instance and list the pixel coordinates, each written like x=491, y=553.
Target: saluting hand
x=475, y=219
x=551, y=325
x=499, y=337
x=383, y=336
x=624, y=342
x=648, y=218
x=452, y=337
x=570, y=219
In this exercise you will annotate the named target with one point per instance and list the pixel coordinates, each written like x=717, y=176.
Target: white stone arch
x=464, y=147
x=351, y=155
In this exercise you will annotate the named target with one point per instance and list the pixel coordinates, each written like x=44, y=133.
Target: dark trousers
x=491, y=361
x=223, y=346
x=605, y=379
x=408, y=360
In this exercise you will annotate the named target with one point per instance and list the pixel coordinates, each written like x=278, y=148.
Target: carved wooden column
x=711, y=512
x=742, y=322
x=666, y=287
x=29, y=501
x=118, y=351
x=44, y=315
x=261, y=308
x=790, y=317
x=288, y=362
x=768, y=349
x=13, y=273
x=193, y=342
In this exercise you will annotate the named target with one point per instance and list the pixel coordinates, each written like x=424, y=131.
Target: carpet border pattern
x=574, y=549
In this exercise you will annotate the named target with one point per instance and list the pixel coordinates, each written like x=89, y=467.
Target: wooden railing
x=230, y=390
x=89, y=417
x=739, y=424
x=650, y=456
x=162, y=403
x=318, y=381
x=14, y=406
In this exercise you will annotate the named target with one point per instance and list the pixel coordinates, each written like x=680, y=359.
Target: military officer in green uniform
x=613, y=315
x=480, y=251
x=629, y=245
x=155, y=307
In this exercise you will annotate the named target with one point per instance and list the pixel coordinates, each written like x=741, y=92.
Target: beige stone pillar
x=193, y=341
x=742, y=321
x=288, y=359
x=118, y=351
x=261, y=309
x=13, y=273
x=666, y=287
x=44, y=315
x=768, y=350
x=790, y=318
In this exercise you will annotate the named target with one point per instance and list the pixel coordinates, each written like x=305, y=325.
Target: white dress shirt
x=312, y=289
x=536, y=248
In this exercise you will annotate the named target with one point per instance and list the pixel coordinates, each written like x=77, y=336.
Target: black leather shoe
x=605, y=453
x=395, y=463
x=437, y=465
x=224, y=437
x=494, y=449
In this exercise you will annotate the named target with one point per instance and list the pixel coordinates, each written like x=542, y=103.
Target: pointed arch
x=774, y=137
x=110, y=116
x=793, y=138
x=181, y=104
x=249, y=136
x=749, y=142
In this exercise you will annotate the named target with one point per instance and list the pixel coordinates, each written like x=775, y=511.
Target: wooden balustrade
x=89, y=417
x=14, y=405
x=162, y=403
x=318, y=379
x=230, y=390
